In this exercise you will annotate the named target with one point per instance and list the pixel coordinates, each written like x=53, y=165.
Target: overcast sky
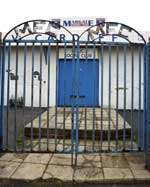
x=135, y=13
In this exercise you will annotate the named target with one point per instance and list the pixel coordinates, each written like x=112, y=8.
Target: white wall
x=52, y=83
x=44, y=87
x=121, y=78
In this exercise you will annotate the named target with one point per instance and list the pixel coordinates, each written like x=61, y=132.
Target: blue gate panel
x=88, y=82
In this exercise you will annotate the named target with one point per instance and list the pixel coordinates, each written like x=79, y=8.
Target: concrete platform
x=57, y=169
x=63, y=124
x=65, y=146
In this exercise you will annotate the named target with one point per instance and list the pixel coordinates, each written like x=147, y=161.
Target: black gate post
x=147, y=106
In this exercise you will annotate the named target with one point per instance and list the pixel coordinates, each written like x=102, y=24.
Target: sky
x=135, y=13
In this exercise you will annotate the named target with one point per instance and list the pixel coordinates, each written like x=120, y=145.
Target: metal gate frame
x=77, y=42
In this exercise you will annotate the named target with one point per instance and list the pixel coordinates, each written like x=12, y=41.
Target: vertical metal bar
x=109, y=98
x=64, y=110
x=93, y=96
x=2, y=135
x=117, y=93
x=0, y=73
x=8, y=91
x=101, y=60
x=24, y=95
x=85, y=111
x=139, y=107
x=48, y=93
x=85, y=128
x=147, y=107
x=56, y=115
x=32, y=95
x=132, y=95
x=77, y=101
x=124, y=110
x=40, y=95
x=16, y=92
x=73, y=103
x=145, y=76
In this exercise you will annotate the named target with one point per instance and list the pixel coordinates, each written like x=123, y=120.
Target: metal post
x=2, y=95
x=147, y=105
x=77, y=101
x=1, y=126
x=75, y=104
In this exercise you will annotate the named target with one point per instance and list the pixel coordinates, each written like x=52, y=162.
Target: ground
x=49, y=169
x=36, y=168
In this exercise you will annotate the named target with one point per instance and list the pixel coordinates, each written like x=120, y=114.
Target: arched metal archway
x=64, y=92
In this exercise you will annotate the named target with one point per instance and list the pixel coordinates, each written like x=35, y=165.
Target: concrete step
x=89, y=128
x=65, y=146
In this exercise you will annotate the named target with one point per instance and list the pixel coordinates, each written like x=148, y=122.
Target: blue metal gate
x=91, y=101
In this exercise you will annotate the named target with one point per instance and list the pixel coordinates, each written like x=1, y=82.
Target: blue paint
x=146, y=83
x=144, y=97
x=1, y=130
x=85, y=84
x=2, y=95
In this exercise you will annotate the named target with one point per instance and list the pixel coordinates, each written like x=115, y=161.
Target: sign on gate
x=98, y=31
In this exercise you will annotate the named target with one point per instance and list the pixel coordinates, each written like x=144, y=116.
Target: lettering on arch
x=34, y=29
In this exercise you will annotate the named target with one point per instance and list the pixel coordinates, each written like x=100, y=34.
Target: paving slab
x=58, y=172
x=113, y=161
x=89, y=160
x=61, y=159
x=88, y=174
x=141, y=174
x=8, y=168
x=14, y=157
x=38, y=158
x=118, y=174
x=136, y=161
x=29, y=171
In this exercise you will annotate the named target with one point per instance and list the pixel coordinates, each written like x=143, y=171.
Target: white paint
x=29, y=78
x=52, y=83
